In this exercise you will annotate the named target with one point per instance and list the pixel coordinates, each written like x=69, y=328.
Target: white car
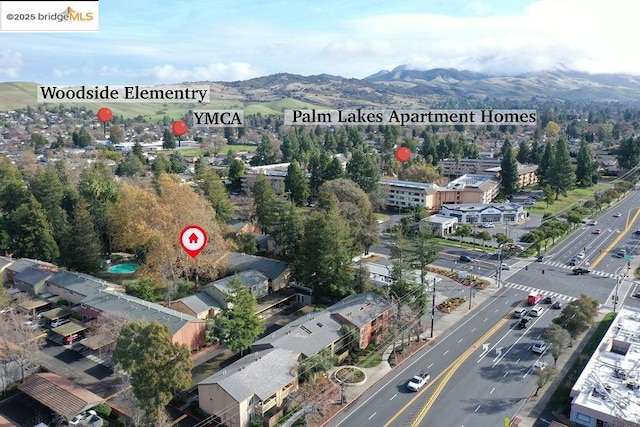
x=505, y=266
x=539, y=347
x=520, y=313
x=580, y=256
x=539, y=365
x=418, y=381
x=617, y=215
x=30, y=325
x=488, y=225
x=59, y=322
x=536, y=311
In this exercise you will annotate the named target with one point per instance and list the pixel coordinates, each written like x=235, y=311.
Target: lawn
x=579, y=195
x=197, y=152
x=560, y=400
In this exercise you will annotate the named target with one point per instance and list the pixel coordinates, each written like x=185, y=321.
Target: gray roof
x=262, y=373
x=360, y=309
x=22, y=264
x=307, y=335
x=79, y=283
x=33, y=275
x=200, y=302
x=5, y=262
x=240, y=262
x=248, y=279
x=108, y=301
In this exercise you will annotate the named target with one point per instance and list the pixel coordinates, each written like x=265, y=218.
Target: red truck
x=534, y=298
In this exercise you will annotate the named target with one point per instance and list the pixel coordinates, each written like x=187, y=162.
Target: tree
x=215, y=192
x=552, y=128
x=509, y=170
x=546, y=163
x=81, y=250
x=147, y=222
x=27, y=233
x=562, y=177
x=485, y=236
x=548, y=195
x=287, y=229
x=116, y=134
x=157, y=366
x=578, y=316
x=425, y=250
x=324, y=258
x=629, y=152
x=130, y=166
x=524, y=152
x=363, y=170
x=49, y=190
x=462, y=231
x=37, y=140
x=263, y=201
x=558, y=338
x=419, y=172
x=586, y=168
x=238, y=325
x=168, y=139
x=265, y=153
x=236, y=171
x=98, y=187
x=296, y=184
x=247, y=243
x=544, y=375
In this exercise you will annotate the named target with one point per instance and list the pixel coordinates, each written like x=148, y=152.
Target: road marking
x=445, y=353
x=460, y=341
x=473, y=329
x=373, y=415
x=605, y=252
x=429, y=367
x=496, y=310
x=477, y=408
x=394, y=396
x=505, y=374
x=506, y=302
x=517, y=361
x=486, y=318
x=492, y=390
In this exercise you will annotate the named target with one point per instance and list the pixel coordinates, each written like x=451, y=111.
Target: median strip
x=615, y=241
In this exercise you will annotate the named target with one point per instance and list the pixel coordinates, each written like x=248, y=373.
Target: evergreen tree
x=49, y=190
x=158, y=367
x=81, y=250
x=288, y=229
x=265, y=153
x=99, y=189
x=129, y=166
x=263, y=202
x=629, y=152
x=137, y=151
x=214, y=191
x=168, y=139
x=546, y=163
x=536, y=152
x=562, y=175
x=586, y=168
x=296, y=184
x=324, y=259
x=509, y=170
x=524, y=152
x=238, y=325
x=363, y=170
x=236, y=171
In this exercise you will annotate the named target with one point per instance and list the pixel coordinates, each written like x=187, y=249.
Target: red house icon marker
x=193, y=238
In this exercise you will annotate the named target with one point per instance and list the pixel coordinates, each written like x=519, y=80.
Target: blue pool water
x=123, y=268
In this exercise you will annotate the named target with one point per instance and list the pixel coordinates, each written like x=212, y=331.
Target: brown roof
x=70, y=328
x=96, y=342
x=59, y=394
x=34, y=304
x=4, y=422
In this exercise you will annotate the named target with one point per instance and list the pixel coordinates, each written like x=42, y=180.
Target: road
x=486, y=387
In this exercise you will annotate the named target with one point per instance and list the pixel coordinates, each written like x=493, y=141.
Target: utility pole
x=499, y=272
x=433, y=305
x=615, y=296
x=471, y=285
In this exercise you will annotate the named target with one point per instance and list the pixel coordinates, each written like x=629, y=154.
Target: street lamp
x=615, y=295
x=433, y=306
x=471, y=285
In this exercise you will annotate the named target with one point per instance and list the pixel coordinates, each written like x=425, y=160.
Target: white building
x=608, y=390
x=440, y=224
x=470, y=213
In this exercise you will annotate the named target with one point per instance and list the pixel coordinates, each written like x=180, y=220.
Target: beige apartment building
x=453, y=168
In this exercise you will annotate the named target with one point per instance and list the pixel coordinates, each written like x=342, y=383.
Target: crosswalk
x=569, y=267
x=529, y=289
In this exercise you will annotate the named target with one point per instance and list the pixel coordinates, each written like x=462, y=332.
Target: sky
x=158, y=41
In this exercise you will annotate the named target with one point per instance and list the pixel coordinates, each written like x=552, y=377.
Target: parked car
x=488, y=225
x=539, y=347
x=72, y=338
x=557, y=305
x=59, y=322
x=621, y=253
x=465, y=258
x=418, y=381
x=539, y=365
x=30, y=324
x=617, y=215
x=636, y=295
x=536, y=311
x=580, y=270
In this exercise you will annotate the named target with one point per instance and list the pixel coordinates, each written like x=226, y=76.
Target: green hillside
x=20, y=94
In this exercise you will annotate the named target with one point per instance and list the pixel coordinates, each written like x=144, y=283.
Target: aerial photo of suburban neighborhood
x=335, y=214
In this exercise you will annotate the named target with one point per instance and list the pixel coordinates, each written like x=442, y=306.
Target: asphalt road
x=388, y=397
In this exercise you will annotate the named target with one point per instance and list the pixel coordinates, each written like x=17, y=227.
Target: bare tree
x=109, y=325
x=20, y=341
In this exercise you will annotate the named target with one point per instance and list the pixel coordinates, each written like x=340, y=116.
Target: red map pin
x=104, y=115
x=403, y=154
x=179, y=128
x=193, y=239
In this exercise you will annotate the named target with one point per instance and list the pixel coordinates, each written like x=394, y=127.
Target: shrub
x=103, y=410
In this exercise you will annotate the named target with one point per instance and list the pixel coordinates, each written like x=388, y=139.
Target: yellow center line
x=448, y=373
x=622, y=234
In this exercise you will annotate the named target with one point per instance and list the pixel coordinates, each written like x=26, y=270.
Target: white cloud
x=211, y=72
x=10, y=63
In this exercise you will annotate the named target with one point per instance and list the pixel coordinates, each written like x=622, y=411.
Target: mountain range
x=401, y=87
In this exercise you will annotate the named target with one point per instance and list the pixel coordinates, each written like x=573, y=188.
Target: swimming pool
x=123, y=268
